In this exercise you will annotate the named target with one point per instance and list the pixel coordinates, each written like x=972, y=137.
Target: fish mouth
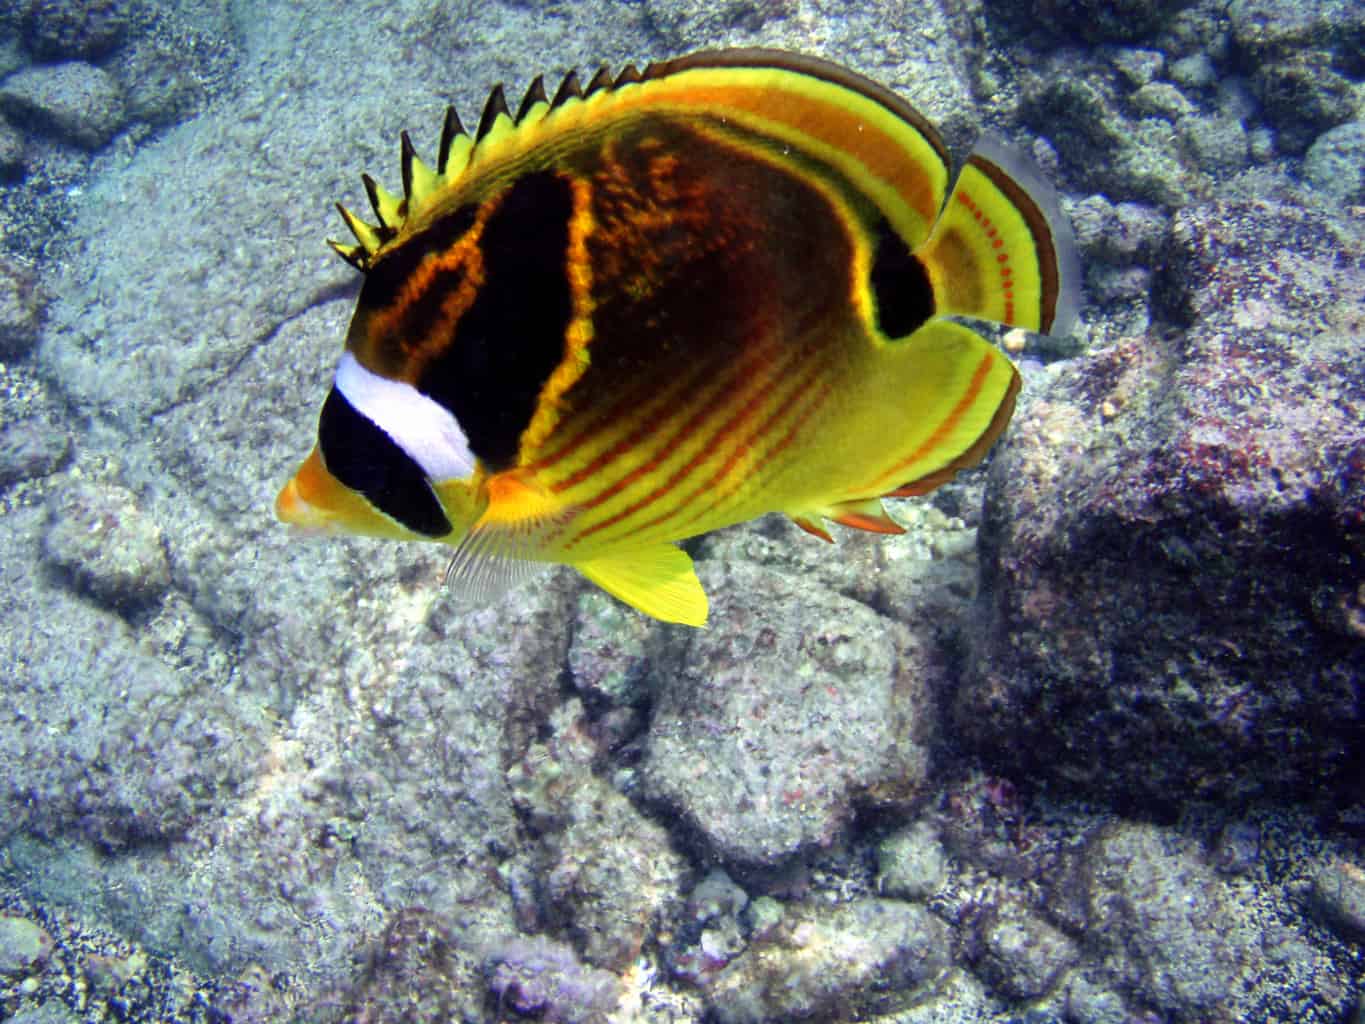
x=291, y=507
x=292, y=504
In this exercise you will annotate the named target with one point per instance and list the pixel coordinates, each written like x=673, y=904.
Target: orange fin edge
x=813, y=528
x=864, y=515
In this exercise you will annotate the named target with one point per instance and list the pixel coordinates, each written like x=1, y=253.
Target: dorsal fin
x=599, y=81
x=451, y=130
x=388, y=208
x=569, y=89
x=406, y=155
x=495, y=108
x=535, y=94
x=500, y=138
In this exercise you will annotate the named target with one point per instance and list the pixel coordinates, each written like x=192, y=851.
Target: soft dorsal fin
x=659, y=581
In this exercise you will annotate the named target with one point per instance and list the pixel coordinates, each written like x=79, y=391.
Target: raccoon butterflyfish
x=671, y=301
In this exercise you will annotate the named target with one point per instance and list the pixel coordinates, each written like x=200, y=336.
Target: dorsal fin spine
x=355, y=255
x=569, y=89
x=387, y=206
x=601, y=80
x=366, y=234
x=451, y=130
x=457, y=149
x=406, y=155
x=495, y=108
x=419, y=180
x=534, y=95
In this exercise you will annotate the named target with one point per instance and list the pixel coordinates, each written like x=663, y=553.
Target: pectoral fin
x=659, y=581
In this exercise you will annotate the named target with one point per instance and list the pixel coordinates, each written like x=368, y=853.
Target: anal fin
x=867, y=514
x=864, y=515
x=659, y=581
x=813, y=527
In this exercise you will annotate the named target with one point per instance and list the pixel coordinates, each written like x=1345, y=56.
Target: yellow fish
x=669, y=302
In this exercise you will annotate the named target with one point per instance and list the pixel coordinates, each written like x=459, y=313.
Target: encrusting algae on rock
x=669, y=302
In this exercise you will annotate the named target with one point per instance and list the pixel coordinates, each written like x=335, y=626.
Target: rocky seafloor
x=1086, y=744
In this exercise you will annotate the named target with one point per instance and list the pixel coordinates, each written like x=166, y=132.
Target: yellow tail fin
x=1002, y=249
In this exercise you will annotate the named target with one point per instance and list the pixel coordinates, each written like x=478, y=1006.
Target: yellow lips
x=317, y=502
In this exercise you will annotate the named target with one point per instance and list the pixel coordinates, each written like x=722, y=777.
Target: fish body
x=670, y=302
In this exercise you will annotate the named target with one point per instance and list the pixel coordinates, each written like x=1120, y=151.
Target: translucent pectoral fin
x=659, y=581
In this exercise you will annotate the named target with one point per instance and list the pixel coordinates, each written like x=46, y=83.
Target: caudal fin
x=1002, y=249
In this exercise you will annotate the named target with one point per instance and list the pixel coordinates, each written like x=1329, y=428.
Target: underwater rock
x=606, y=870
x=105, y=742
x=1302, y=96
x=683, y=22
x=1171, y=561
x=1217, y=143
x=1272, y=28
x=535, y=975
x=1161, y=99
x=1103, y=151
x=12, y=150
x=24, y=946
x=12, y=55
x=1337, y=895
x=609, y=654
x=716, y=895
x=416, y=973
x=1023, y=955
x=1190, y=944
x=21, y=308
x=773, y=725
x=99, y=537
x=922, y=577
x=911, y=862
x=1335, y=163
x=31, y=448
x=158, y=88
x=75, y=102
x=175, y=61
x=714, y=929
x=69, y=29
x=865, y=957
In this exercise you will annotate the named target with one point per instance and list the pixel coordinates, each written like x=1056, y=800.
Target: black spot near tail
x=900, y=285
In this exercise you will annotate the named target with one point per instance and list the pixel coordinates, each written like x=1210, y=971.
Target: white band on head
x=419, y=425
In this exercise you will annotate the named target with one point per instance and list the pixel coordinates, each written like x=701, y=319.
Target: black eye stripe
x=512, y=337
x=367, y=460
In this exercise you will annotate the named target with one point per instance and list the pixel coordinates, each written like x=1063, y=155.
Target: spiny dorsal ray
x=456, y=150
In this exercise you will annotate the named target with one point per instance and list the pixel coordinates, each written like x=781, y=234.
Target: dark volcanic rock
x=1174, y=534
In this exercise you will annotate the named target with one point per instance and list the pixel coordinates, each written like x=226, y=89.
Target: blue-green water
x=1084, y=744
